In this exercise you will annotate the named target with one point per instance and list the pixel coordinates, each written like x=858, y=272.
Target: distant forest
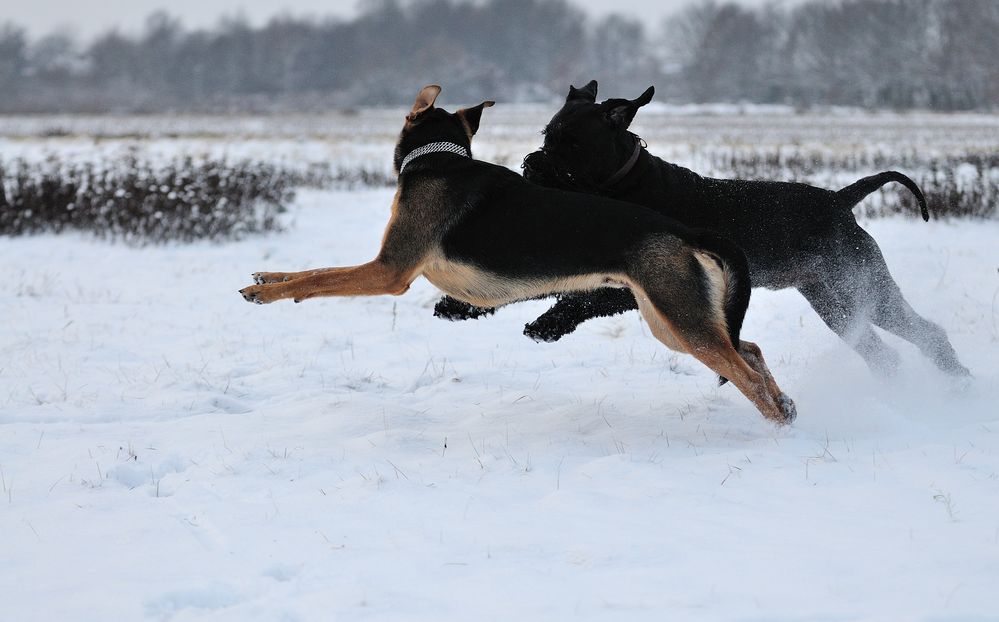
x=934, y=54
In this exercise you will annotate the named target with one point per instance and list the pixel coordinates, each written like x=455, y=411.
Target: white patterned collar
x=442, y=147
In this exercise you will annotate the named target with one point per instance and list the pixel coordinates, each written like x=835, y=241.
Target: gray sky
x=85, y=18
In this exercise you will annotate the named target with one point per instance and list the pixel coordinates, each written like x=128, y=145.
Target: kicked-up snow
x=170, y=452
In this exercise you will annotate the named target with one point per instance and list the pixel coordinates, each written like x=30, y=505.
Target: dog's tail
x=737, y=283
x=855, y=192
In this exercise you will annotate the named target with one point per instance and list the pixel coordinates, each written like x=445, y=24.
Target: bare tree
x=897, y=53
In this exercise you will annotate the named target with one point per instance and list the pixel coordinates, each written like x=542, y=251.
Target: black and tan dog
x=484, y=235
x=794, y=235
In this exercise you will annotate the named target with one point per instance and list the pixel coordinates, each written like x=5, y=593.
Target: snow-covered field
x=169, y=452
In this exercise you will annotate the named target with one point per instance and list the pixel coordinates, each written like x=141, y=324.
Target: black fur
x=448, y=308
x=793, y=235
x=571, y=310
x=504, y=224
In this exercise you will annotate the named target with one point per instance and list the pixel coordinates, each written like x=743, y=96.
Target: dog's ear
x=424, y=101
x=588, y=93
x=644, y=98
x=472, y=115
x=621, y=112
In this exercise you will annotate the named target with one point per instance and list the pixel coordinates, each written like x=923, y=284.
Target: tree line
x=936, y=54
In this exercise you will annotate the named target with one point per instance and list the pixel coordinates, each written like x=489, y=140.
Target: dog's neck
x=439, y=147
x=626, y=168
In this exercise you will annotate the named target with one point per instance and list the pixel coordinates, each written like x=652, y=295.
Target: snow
x=169, y=452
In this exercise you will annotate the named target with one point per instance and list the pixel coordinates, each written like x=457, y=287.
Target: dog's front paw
x=545, y=331
x=259, y=294
x=262, y=278
x=452, y=309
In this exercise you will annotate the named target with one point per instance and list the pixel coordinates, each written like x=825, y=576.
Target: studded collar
x=440, y=147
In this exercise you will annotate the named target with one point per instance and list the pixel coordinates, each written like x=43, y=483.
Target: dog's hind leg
x=683, y=303
x=847, y=319
x=890, y=311
x=712, y=347
x=751, y=353
x=893, y=313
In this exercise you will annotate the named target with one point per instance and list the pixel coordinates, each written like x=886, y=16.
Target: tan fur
x=725, y=361
x=718, y=287
x=488, y=289
x=720, y=357
x=371, y=279
x=465, y=124
x=657, y=323
x=424, y=101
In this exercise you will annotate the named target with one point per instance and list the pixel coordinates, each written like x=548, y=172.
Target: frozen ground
x=690, y=136
x=170, y=452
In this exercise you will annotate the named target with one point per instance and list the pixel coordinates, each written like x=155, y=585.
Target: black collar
x=626, y=168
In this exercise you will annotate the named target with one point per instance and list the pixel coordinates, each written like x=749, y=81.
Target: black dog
x=794, y=235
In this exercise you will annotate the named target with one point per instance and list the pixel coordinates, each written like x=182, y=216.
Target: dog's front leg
x=371, y=279
x=573, y=309
x=452, y=309
x=261, y=278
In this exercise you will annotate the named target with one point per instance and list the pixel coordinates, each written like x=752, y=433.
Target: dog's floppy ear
x=622, y=112
x=472, y=115
x=424, y=101
x=587, y=93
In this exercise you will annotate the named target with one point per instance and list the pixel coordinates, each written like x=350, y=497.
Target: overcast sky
x=87, y=17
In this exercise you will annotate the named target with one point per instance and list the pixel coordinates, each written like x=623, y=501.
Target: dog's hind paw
x=948, y=363
x=958, y=385
x=787, y=408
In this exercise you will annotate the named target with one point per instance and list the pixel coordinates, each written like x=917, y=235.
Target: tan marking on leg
x=370, y=279
x=725, y=361
x=717, y=285
x=754, y=358
x=714, y=350
x=261, y=278
x=657, y=323
x=751, y=353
